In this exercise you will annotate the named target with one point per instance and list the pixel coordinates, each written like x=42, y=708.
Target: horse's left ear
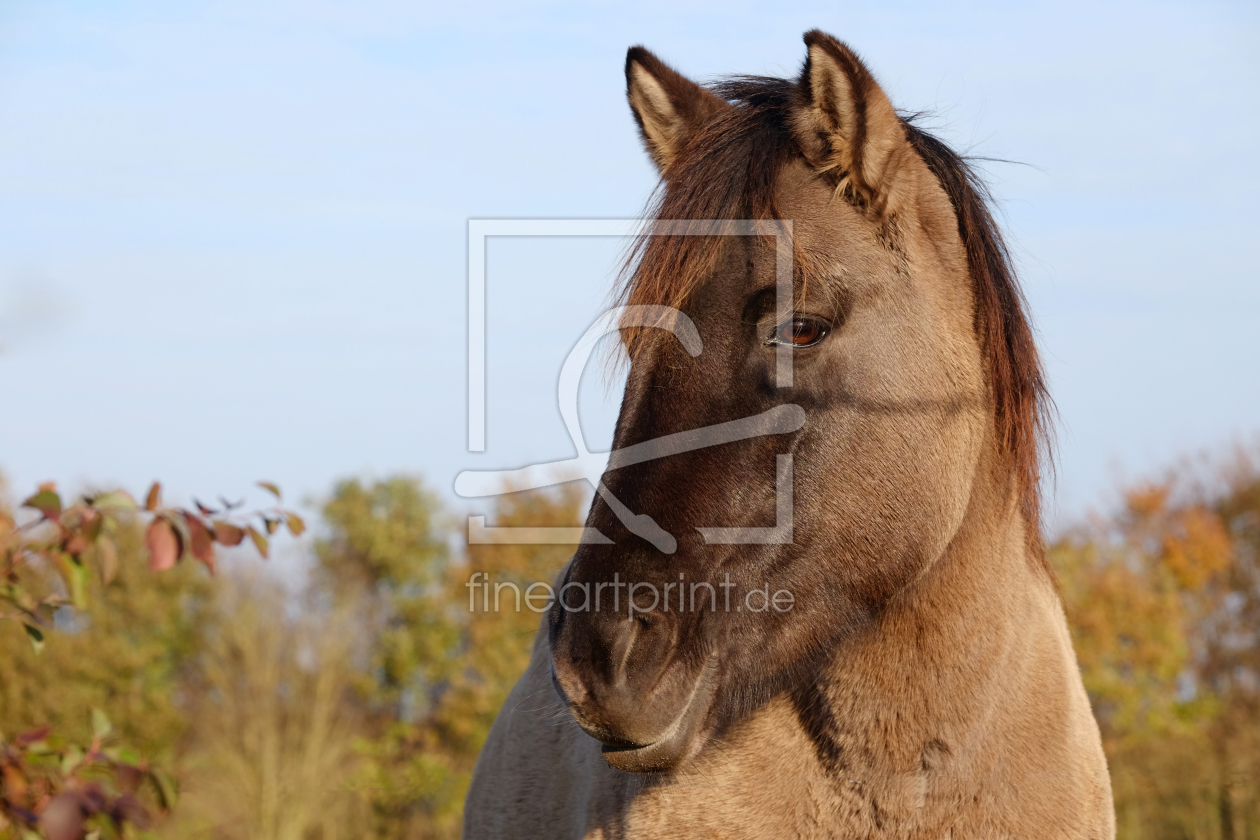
x=846, y=124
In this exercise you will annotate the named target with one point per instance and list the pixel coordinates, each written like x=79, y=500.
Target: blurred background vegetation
x=353, y=702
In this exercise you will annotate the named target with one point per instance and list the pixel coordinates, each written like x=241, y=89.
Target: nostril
x=571, y=691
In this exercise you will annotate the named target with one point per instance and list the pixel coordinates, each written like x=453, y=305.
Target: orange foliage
x=1163, y=601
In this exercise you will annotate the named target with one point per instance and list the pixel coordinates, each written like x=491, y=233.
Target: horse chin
x=681, y=741
x=659, y=757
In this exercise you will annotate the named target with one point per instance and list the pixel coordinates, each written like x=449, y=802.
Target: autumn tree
x=1162, y=600
x=502, y=621
x=433, y=672
x=383, y=558
x=270, y=752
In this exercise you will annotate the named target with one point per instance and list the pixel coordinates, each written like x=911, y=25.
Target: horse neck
x=942, y=658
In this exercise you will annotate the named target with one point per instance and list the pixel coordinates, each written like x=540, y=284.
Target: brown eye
x=800, y=332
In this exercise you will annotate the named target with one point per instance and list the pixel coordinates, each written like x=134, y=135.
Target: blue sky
x=232, y=235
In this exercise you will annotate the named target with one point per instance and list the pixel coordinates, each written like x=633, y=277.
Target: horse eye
x=800, y=332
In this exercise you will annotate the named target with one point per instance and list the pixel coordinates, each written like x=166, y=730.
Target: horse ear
x=667, y=106
x=846, y=124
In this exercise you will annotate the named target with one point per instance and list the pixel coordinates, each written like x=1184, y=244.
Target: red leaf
x=154, y=499
x=202, y=540
x=92, y=798
x=127, y=777
x=62, y=818
x=127, y=809
x=225, y=533
x=163, y=543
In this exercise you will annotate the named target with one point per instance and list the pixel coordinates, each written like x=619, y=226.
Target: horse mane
x=728, y=170
x=1022, y=405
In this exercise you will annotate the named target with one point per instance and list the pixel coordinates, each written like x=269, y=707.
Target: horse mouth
x=650, y=758
x=678, y=743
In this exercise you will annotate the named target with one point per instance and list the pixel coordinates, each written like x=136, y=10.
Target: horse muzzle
x=631, y=685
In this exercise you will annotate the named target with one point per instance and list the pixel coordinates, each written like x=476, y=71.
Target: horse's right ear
x=667, y=106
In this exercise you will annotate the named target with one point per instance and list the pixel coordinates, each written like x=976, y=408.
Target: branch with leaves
x=64, y=792
x=70, y=538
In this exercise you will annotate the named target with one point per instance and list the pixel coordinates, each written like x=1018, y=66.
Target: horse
x=891, y=662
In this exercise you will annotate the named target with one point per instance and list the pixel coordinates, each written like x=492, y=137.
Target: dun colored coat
x=892, y=661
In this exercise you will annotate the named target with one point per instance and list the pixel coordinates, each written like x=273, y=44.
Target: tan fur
x=1004, y=689
x=957, y=709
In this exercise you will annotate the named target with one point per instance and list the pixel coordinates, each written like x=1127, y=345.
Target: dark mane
x=1021, y=399
x=728, y=170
